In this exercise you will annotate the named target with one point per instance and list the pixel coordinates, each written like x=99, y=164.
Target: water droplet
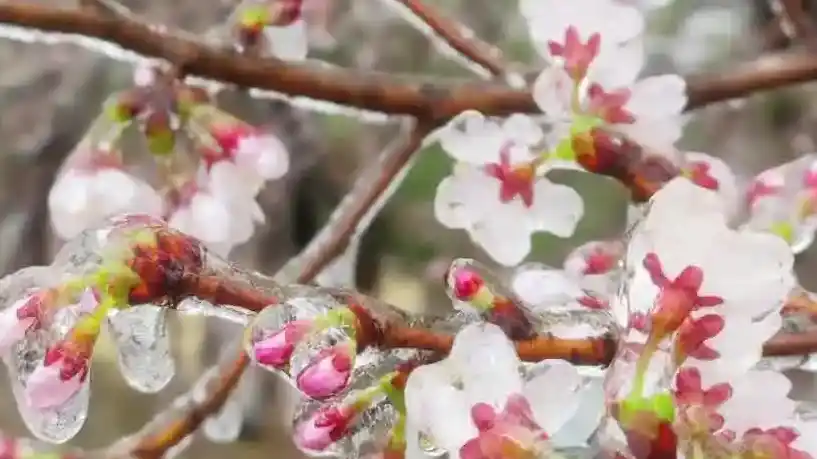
x=54, y=425
x=322, y=364
x=143, y=347
x=273, y=336
x=366, y=435
x=225, y=426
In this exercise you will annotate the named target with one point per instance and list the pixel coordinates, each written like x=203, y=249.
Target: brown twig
x=801, y=22
x=452, y=32
x=421, y=98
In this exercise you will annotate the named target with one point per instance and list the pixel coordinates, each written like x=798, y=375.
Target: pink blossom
x=93, y=189
x=256, y=154
x=325, y=427
x=18, y=319
x=327, y=373
x=62, y=374
x=276, y=349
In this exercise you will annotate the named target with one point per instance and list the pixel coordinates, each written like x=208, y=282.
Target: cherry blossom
x=592, y=82
x=476, y=400
x=328, y=372
x=712, y=173
x=65, y=367
x=276, y=349
x=253, y=156
x=215, y=210
x=91, y=190
x=496, y=192
x=711, y=297
x=22, y=316
x=783, y=201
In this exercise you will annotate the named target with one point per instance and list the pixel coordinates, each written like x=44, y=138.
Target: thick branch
x=372, y=91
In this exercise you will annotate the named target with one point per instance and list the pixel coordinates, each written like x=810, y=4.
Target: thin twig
x=461, y=40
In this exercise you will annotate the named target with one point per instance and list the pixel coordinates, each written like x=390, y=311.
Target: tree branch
x=456, y=36
x=422, y=98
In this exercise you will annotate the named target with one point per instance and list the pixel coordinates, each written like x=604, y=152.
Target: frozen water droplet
x=323, y=363
x=54, y=425
x=428, y=446
x=225, y=426
x=276, y=331
x=366, y=435
x=143, y=347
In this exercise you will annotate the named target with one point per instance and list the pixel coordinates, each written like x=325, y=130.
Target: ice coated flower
x=328, y=425
x=470, y=290
x=496, y=192
x=85, y=195
x=64, y=369
x=276, y=349
x=16, y=320
x=62, y=373
x=328, y=372
x=476, y=403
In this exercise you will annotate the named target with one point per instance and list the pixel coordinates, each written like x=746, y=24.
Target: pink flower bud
x=328, y=425
x=61, y=375
x=465, y=283
x=276, y=349
x=328, y=372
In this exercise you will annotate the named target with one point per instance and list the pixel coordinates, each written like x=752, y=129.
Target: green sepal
x=161, y=143
x=660, y=405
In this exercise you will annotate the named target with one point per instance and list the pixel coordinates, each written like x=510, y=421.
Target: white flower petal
x=486, y=360
x=522, y=129
x=504, y=237
x=552, y=92
x=554, y=394
x=438, y=409
x=473, y=138
x=556, y=208
x=542, y=286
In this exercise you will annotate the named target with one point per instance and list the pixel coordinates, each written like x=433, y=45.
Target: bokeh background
x=50, y=94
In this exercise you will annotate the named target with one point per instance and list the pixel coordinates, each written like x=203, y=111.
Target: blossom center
x=515, y=179
x=676, y=298
x=577, y=55
x=700, y=174
x=609, y=106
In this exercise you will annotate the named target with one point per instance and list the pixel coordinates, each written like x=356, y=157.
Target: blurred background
x=50, y=94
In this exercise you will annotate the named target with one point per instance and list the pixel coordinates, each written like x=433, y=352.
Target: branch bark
x=422, y=98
